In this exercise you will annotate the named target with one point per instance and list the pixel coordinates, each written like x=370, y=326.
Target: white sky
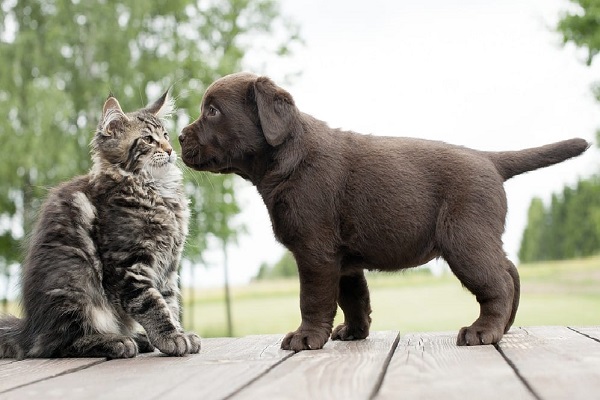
x=486, y=74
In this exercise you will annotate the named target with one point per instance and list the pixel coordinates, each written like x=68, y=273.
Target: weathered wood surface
x=529, y=363
x=431, y=366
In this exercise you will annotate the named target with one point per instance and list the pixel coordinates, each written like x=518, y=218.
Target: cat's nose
x=169, y=150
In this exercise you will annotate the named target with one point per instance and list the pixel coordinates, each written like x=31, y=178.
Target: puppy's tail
x=511, y=163
x=10, y=337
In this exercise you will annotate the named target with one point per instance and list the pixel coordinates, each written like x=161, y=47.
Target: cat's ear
x=112, y=116
x=163, y=107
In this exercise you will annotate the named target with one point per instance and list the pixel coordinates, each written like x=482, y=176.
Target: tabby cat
x=103, y=258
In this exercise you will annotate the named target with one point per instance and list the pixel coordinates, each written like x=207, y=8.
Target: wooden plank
x=222, y=367
x=19, y=373
x=556, y=362
x=231, y=368
x=341, y=370
x=432, y=366
x=591, y=331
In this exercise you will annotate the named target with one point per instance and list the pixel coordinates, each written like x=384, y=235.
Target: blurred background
x=486, y=74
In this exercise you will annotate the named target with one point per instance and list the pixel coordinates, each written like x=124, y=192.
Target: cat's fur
x=103, y=258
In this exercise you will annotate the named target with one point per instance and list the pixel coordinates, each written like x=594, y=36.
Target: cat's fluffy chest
x=137, y=222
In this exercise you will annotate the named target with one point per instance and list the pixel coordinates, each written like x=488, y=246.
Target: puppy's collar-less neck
x=279, y=162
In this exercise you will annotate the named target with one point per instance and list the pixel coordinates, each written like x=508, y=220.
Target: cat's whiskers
x=147, y=167
x=191, y=174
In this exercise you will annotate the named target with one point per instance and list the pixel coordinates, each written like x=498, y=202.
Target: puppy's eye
x=212, y=111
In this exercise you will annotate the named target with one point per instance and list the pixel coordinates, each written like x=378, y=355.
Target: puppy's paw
x=178, y=344
x=304, y=339
x=476, y=335
x=346, y=332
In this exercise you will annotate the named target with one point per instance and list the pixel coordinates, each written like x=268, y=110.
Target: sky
x=486, y=74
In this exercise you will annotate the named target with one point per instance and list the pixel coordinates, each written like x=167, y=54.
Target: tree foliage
x=568, y=228
x=284, y=268
x=581, y=26
x=61, y=58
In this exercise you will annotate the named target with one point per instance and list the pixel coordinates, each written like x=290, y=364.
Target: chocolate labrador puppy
x=342, y=202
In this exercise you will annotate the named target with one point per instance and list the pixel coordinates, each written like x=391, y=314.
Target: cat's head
x=135, y=142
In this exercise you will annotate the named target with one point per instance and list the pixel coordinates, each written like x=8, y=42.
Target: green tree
x=568, y=228
x=61, y=58
x=571, y=226
x=284, y=268
x=532, y=245
x=582, y=228
x=219, y=225
x=581, y=27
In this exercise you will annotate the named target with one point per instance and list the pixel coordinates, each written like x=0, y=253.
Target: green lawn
x=553, y=293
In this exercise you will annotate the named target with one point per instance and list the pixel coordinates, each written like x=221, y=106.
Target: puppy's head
x=242, y=117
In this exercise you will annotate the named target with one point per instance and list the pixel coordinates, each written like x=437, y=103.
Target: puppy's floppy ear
x=277, y=112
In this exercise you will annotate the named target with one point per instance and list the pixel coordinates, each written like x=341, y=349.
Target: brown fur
x=342, y=202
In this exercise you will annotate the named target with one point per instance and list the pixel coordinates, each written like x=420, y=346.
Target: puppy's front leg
x=318, y=293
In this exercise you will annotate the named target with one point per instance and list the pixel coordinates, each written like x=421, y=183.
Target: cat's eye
x=212, y=111
x=149, y=139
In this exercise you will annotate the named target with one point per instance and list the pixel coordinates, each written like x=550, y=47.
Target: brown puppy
x=342, y=202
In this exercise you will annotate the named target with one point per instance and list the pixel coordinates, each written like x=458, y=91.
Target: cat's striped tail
x=10, y=332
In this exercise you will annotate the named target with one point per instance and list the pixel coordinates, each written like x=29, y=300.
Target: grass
x=552, y=293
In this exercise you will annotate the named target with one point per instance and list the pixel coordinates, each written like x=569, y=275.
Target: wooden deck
x=529, y=363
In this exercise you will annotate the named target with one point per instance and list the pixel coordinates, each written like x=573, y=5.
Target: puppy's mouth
x=211, y=166
x=195, y=160
x=207, y=158
x=190, y=156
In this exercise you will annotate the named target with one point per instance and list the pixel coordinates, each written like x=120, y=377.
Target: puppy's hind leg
x=512, y=270
x=354, y=299
x=494, y=289
x=473, y=249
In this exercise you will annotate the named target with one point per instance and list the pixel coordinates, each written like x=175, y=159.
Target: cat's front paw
x=143, y=343
x=178, y=344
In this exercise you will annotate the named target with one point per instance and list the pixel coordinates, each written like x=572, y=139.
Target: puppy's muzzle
x=182, y=135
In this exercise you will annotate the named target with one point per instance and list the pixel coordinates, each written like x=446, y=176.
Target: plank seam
x=65, y=372
x=251, y=381
x=517, y=372
x=385, y=367
x=583, y=334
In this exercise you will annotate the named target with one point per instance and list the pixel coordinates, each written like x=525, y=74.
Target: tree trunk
x=6, y=292
x=191, y=307
x=227, y=293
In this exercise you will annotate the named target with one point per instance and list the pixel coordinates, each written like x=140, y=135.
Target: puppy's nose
x=183, y=133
